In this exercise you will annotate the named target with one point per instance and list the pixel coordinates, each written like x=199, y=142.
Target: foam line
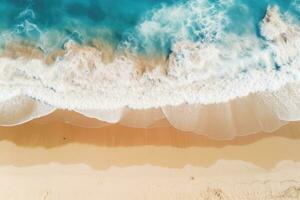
x=241, y=79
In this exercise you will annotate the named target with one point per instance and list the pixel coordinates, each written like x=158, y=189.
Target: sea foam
x=211, y=78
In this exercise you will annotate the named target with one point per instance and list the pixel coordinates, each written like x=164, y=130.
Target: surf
x=166, y=60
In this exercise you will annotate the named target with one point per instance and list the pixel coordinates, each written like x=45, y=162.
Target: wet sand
x=38, y=142
x=49, y=159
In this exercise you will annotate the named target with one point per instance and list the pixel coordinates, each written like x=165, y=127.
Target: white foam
x=21, y=109
x=182, y=21
x=202, y=80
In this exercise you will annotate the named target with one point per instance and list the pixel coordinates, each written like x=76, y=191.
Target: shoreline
x=261, y=112
x=122, y=146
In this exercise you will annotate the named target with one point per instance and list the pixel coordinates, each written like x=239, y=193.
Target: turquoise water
x=144, y=26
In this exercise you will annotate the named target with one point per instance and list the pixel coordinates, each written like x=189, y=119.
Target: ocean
x=94, y=56
x=144, y=27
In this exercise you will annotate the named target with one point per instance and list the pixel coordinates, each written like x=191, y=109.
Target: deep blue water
x=144, y=26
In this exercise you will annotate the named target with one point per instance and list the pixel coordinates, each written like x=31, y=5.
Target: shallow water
x=146, y=26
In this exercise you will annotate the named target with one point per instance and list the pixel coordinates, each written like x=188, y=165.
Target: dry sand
x=61, y=161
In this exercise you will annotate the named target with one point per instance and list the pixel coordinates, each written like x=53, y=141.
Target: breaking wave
x=180, y=61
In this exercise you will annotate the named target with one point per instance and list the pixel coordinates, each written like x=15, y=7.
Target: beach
x=168, y=99
x=51, y=160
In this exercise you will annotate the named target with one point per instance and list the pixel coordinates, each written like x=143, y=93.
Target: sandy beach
x=51, y=159
x=150, y=99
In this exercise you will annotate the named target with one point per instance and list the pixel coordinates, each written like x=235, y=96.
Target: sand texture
x=56, y=160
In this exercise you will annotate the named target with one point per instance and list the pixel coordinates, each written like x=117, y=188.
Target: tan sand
x=61, y=161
